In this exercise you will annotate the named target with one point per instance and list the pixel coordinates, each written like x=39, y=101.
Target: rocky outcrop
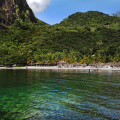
x=11, y=10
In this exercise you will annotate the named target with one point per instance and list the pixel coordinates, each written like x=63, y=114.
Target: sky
x=54, y=11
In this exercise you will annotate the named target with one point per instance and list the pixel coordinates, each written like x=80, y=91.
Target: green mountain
x=90, y=19
x=82, y=37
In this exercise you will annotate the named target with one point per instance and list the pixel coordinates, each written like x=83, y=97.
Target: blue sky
x=57, y=10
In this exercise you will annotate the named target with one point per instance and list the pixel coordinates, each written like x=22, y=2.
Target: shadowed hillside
x=11, y=10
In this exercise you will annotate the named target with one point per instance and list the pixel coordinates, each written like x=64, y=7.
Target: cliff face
x=10, y=10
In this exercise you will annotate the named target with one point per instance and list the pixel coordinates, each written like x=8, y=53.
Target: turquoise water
x=59, y=95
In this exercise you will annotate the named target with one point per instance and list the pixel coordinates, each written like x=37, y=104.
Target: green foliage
x=91, y=19
x=82, y=37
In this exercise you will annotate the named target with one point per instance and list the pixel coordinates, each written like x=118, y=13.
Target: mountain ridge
x=89, y=18
x=11, y=10
x=81, y=38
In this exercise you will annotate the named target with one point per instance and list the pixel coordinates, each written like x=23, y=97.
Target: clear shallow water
x=59, y=95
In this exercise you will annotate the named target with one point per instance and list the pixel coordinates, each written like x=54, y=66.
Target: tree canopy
x=81, y=38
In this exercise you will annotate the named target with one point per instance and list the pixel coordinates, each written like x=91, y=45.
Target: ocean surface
x=59, y=95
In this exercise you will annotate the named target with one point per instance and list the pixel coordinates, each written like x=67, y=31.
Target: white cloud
x=38, y=5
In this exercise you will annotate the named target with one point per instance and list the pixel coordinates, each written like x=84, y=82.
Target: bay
x=59, y=95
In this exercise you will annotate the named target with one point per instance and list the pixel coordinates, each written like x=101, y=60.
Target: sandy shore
x=90, y=68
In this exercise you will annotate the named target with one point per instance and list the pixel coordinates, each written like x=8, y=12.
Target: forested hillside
x=91, y=19
x=81, y=38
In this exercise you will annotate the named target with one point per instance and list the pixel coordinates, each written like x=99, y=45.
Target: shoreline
x=90, y=68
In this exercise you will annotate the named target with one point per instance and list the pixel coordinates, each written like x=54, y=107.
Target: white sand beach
x=90, y=68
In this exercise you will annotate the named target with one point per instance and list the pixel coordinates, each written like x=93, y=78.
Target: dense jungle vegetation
x=81, y=38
